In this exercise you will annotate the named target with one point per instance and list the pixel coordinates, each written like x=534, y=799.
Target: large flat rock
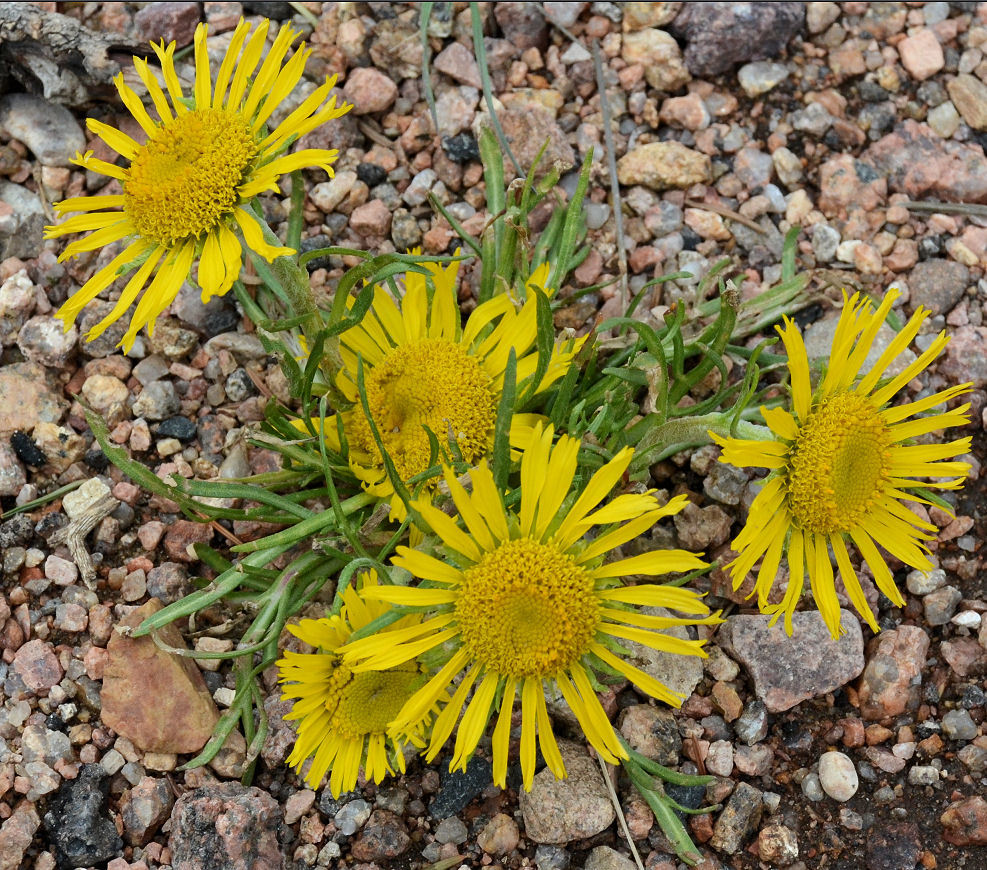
x=788, y=670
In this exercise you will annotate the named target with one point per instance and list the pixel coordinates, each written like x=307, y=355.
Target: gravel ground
x=730, y=126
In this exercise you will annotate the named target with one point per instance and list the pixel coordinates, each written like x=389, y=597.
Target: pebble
x=825, y=241
x=663, y=166
x=761, y=76
x=777, y=844
x=373, y=219
x=891, y=681
x=352, y=816
x=718, y=35
x=499, y=836
x=37, y=665
x=44, y=340
x=172, y=20
x=369, y=90
x=17, y=834
x=451, y=830
x=924, y=582
x=941, y=604
x=921, y=774
x=959, y=725
x=965, y=822
x=812, y=788
x=937, y=284
x=383, y=838
x=605, y=858
x=787, y=670
x=49, y=130
x=969, y=96
x=157, y=401
x=740, y=818
x=838, y=776
x=752, y=726
x=653, y=732
x=17, y=300
x=560, y=811
x=921, y=54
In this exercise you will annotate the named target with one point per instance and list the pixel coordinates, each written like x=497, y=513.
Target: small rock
x=459, y=788
x=182, y=535
x=49, y=130
x=225, y=827
x=605, y=858
x=351, y=816
x=825, y=240
x=924, y=582
x=157, y=401
x=891, y=847
x=458, y=62
x=760, y=77
x=937, y=284
x=719, y=758
x=523, y=24
x=17, y=834
x=78, y=821
x=156, y=699
x=12, y=474
x=722, y=34
x=753, y=760
x=327, y=195
x=653, y=732
x=777, y=844
x=528, y=127
x=941, y=605
x=738, y=820
x=838, y=776
x=921, y=54
x=104, y=392
x=969, y=96
x=169, y=21
x=563, y=810
x=372, y=219
x=43, y=340
x=38, y=666
x=499, y=836
x=451, y=830
x=17, y=301
x=891, y=681
x=369, y=90
x=752, y=726
x=22, y=223
x=812, y=788
x=787, y=670
x=383, y=838
x=958, y=725
x=664, y=165
x=922, y=774
x=144, y=808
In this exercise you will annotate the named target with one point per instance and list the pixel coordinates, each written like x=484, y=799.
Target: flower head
x=424, y=372
x=186, y=188
x=842, y=465
x=343, y=716
x=520, y=603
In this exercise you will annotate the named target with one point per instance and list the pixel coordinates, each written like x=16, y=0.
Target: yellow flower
x=521, y=603
x=187, y=189
x=343, y=716
x=842, y=465
x=424, y=371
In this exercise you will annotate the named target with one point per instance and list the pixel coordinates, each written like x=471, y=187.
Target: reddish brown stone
x=38, y=666
x=16, y=835
x=156, y=699
x=965, y=822
x=888, y=686
x=181, y=535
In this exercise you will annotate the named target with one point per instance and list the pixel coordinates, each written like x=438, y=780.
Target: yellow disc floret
x=527, y=609
x=839, y=464
x=364, y=704
x=185, y=179
x=431, y=384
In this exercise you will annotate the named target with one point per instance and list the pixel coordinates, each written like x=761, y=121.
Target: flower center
x=838, y=464
x=185, y=179
x=433, y=384
x=365, y=703
x=527, y=609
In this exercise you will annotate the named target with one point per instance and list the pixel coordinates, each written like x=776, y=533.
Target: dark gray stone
x=80, y=830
